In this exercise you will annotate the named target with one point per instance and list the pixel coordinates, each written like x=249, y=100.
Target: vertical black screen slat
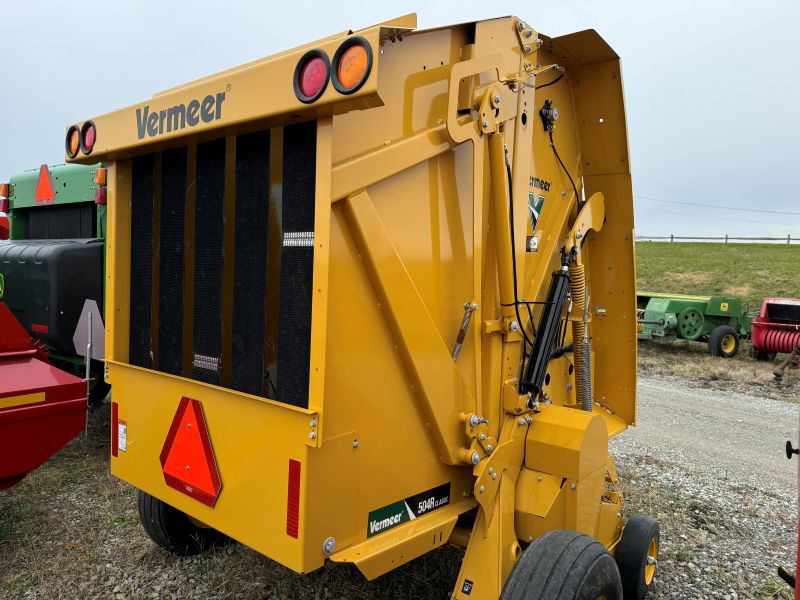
x=297, y=263
x=141, y=260
x=208, y=262
x=170, y=286
x=250, y=262
x=61, y=221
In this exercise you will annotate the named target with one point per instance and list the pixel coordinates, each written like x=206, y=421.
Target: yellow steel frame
x=412, y=222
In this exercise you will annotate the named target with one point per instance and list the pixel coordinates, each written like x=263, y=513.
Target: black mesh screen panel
x=170, y=287
x=141, y=260
x=297, y=262
x=60, y=221
x=250, y=262
x=209, y=198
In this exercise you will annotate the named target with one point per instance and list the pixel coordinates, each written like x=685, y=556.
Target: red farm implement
x=776, y=328
x=41, y=407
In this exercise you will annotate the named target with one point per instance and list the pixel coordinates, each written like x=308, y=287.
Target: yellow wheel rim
x=652, y=560
x=728, y=343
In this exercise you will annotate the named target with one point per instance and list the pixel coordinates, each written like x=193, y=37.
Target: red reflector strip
x=39, y=328
x=293, y=500
x=114, y=429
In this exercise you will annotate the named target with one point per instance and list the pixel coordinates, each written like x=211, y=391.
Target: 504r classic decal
x=402, y=511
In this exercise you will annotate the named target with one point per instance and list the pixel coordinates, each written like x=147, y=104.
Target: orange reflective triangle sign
x=45, y=192
x=187, y=458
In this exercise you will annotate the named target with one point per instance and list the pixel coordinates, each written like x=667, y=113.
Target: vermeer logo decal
x=178, y=117
x=406, y=510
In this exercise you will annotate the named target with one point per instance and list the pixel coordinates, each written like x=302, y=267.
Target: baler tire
x=99, y=388
x=640, y=541
x=98, y=392
x=719, y=340
x=173, y=530
x=564, y=565
x=761, y=355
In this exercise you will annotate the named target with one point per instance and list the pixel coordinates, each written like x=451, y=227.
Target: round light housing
x=311, y=76
x=352, y=64
x=88, y=137
x=73, y=141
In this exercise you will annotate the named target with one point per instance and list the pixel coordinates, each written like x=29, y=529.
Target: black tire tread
x=715, y=341
x=173, y=530
x=558, y=565
x=632, y=553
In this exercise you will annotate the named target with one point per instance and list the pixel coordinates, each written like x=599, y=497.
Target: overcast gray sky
x=712, y=88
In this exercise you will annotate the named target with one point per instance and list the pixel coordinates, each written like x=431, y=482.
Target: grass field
x=747, y=271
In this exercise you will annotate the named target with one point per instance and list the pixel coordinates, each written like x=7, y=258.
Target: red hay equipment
x=41, y=407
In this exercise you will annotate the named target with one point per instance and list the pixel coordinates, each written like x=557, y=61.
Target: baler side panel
x=601, y=113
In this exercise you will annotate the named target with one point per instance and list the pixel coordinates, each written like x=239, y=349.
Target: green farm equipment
x=720, y=321
x=52, y=265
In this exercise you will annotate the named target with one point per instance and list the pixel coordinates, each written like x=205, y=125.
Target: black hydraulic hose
x=513, y=249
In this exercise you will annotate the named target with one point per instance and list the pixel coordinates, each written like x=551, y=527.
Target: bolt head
x=497, y=98
x=485, y=123
x=482, y=437
x=494, y=475
x=521, y=25
x=522, y=422
x=489, y=448
x=527, y=48
x=572, y=486
x=482, y=489
x=474, y=420
x=474, y=306
x=312, y=435
x=528, y=419
x=539, y=42
x=355, y=443
x=651, y=560
x=514, y=326
x=476, y=458
x=312, y=423
x=329, y=546
x=187, y=467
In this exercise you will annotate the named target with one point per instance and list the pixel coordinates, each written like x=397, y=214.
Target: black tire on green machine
x=723, y=341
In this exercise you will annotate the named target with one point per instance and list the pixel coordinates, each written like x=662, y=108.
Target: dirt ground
x=706, y=460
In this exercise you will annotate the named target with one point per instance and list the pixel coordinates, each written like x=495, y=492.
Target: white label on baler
x=122, y=436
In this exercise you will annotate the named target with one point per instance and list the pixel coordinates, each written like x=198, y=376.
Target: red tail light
x=4, y=205
x=88, y=137
x=100, y=195
x=311, y=76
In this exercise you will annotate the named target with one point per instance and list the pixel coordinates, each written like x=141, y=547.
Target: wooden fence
x=684, y=238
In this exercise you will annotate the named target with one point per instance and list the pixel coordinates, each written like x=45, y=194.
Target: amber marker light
x=73, y=141
x=352, y=64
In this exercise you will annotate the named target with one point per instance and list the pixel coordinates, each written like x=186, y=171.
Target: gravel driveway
x=710, y=466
